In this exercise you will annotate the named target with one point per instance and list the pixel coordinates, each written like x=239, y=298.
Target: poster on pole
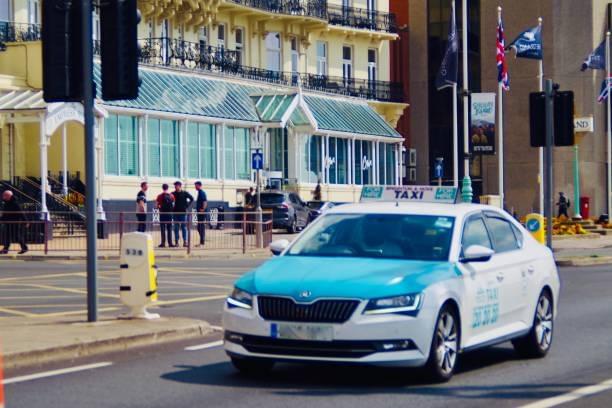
x=482, y=126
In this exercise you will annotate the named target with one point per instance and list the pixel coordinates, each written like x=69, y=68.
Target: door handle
x=500, y=277
x=530, y=269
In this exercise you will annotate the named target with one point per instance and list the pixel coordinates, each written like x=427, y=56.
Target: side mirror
x=277, y=247
x=477, y=253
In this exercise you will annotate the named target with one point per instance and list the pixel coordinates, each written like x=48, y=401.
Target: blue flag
x=596, y=59
x=605, y=90
x=448, y=73
x=528, y=44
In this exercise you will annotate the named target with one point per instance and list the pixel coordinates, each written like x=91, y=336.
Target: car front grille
x=321, y=311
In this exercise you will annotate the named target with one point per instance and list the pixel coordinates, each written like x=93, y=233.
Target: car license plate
x=302, y=332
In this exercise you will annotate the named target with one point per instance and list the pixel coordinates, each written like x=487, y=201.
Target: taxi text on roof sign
x=424, y=194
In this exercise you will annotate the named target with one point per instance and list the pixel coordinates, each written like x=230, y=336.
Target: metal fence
x=58, y=233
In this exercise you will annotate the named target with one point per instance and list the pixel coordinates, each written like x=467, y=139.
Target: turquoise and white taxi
x=404, y=278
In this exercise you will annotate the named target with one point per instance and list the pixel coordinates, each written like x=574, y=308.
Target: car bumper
x=384, y=340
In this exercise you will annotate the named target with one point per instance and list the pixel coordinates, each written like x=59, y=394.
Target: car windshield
x=272, y=198
x=396, y=236
x=315, y=205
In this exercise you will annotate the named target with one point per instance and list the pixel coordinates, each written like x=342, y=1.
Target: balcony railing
x=361, y=18
x=18, y=32
x=199, y=57
x=335, y=15
x=306, y=8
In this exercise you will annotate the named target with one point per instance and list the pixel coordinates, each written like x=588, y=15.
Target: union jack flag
x=502, y=68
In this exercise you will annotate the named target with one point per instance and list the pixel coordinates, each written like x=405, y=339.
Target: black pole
x=548, y=168
x=90, y=164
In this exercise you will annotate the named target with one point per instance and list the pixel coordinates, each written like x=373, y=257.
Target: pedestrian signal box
x=138, y=287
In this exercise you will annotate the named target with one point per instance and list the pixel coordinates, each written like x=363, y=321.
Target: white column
x=375, y=163
x=99, y=164
x=609, y=133
x=44, y=142
x=219, y=129
x=500, y=129
x=352, y=161
x=326, y=159
x=64, y=162
x=182, y=155
x=397, y=165
x=145, y=146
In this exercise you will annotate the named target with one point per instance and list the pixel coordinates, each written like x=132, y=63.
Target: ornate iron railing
x=361, y=18
x=18, y=32
x=193, y=56
x=336, y=15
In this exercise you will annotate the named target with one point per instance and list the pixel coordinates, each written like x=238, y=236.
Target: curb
x=95, y=347
x=582, y=261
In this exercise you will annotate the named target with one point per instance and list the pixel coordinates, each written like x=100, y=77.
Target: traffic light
x=537, y=118
x=563, y=122
x=119, y=49
x=62, y=50
x=564, y=118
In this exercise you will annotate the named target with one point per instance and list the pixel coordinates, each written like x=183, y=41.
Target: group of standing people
x=173, y=210
x=14, y=221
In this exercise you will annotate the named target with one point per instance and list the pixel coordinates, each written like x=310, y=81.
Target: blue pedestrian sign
x=438, y=168
x=257, y=160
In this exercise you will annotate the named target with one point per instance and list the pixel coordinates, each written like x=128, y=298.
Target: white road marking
x=205, y=346
x=216, y=328
x=55, y=372
x=572, y=396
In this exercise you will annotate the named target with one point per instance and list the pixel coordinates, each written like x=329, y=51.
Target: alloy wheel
x=544, y=322
x=447, y=344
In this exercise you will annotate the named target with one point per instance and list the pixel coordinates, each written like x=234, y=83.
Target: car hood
x=363, y=278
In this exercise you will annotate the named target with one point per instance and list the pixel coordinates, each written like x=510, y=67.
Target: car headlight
x=240, y=298
x=407, y=304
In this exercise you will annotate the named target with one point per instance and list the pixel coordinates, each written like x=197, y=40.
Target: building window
x=295, y=56
x=163, y=148
x=150, y=29
x=165, y=34
x=95, y=23
x=221, y=36
x=338, y=160
x=181, y=33
x=236, y=153
x=321, y=58
x=239, y=46
x=201, y=151
x=121, y=145
x=279, y=156
x=273, y=51
x=372, y=68
x=363, y=160
x=203, y=39
x=33, y=7
x=386, y=163
x=310, y=158
x=371, y=8
x=5, y=11
x=347, y=64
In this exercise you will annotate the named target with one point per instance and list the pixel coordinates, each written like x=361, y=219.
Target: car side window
x=475, y=233
x=518, y=234
x=503, y=234
x=294, y=200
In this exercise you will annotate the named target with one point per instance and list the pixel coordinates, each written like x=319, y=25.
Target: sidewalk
x=27, y=342
x=179, y=253
x=583, y=252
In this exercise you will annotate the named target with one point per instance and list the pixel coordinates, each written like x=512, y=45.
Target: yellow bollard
x=535, y=224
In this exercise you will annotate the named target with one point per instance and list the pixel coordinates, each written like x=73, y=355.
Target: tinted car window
x=272, y=198
x=294, y=199
x=503, y=235
x=475, y=233
x=315, y=205
x=414, y=237
x=519, y=235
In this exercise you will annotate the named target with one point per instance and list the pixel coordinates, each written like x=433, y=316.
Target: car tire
x=292, y=229
x=252, y=366
x=442, y=360
x=537, y=342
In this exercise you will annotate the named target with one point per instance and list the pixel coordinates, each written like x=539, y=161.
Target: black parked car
x=317, y=208
x=288, y=210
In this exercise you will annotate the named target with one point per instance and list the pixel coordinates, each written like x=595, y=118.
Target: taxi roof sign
x=422, y=194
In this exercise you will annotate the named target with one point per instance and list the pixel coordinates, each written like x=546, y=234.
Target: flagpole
x=466, y=192
x=500, y=124
x=609, y=136
x=541, y=149
x=455, y=122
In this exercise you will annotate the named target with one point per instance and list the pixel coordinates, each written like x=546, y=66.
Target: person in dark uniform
x=249, y=198
x=165, y=205
x=141, y=207
x=563, y=205
x=14, y=218
x=201, y=205
x=182, y=201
